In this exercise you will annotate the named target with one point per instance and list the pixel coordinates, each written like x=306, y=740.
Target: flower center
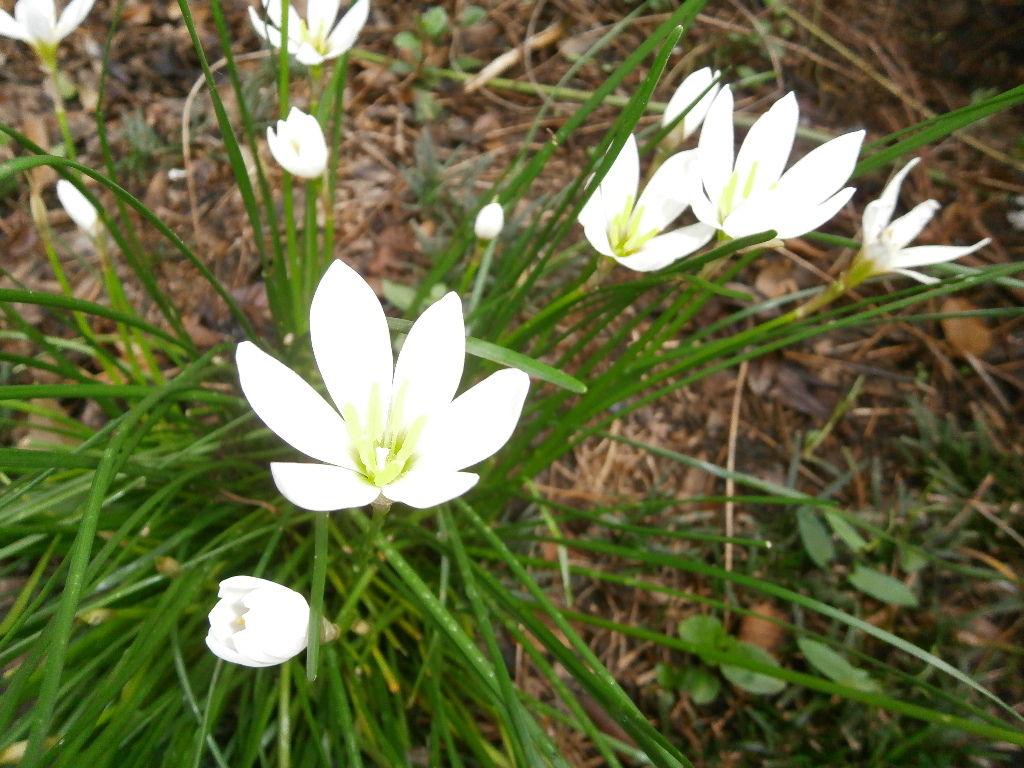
x=624, y=235
x=727, y=204
x=383, y=452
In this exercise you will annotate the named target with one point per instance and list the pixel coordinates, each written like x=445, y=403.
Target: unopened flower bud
x=78, y=207
x=298, y=144
x=257, y=623
x=489, y=221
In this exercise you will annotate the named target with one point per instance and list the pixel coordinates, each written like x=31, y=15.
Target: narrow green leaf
x=503, y=356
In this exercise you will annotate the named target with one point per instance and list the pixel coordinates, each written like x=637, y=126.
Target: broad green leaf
x=882, y=586
x=834, y=666
x=752, y=682
x=845, y=531
x=815, y=537
x=702, y=630
x=702, y=685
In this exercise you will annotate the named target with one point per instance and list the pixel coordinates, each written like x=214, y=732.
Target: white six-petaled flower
x=316, y=38
x=35, y=22
x=395, y=432
x=78, y=208
x=885, y=241
x=489, y=221
x=747, y=192
x=257, y=623
x=628, y=229
x=299, y=145
x=695, y=94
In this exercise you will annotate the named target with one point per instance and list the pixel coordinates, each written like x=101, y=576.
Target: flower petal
x=322, y=487
x=665, y=249
x=715, y=147
x=618, y=187
x=823, y=171
x=351, y=343
x=878, y=213
x=264, y=29
x=919, y=276
x=11, y=28
x=427, y=488
x=429, y=366
x=235, y=587
x=280, y=618
x=250, y=645
x=306, y=54
x=74, y=14
x=923, y=255
x=292, y=408
x=693, y=96
x=320, y=15
x=38, y=18
x=594, y=223
x=344, y=34
x=767, y=145
x=668, y=192
x=226, y=652
x=909, y=225
x=477, y=423
x=78, y=207
x=804, y=219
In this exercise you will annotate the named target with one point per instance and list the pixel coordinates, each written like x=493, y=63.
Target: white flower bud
x=489, y=221
x=299, y=144
x=257, y=623
x=78, y=207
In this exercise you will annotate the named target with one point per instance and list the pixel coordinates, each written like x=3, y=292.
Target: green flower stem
x=284, y=719
x=311, y=261
x=481, y=275
x=282, y=64
x=332, y=106
x=53, y=79
x=131, y=339
x=832, y=292
x=316, y=597
x=38, y=210
x=300, y=314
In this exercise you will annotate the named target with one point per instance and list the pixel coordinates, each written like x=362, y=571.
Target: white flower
x=257, y=622
x=35, y=22
x=489, y=221
x=299, y=144
x=748, y=193
x=394, y=433
x=689, y=96
x=78, y=207
x=885, y=241
x=629, y=230
x=316, y=38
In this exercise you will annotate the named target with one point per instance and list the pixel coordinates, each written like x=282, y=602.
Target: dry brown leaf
x=759, y=630
x=967, y=335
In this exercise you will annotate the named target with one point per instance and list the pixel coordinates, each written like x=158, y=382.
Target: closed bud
x=299, y=145
x=489, y=221
x=257, y=623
